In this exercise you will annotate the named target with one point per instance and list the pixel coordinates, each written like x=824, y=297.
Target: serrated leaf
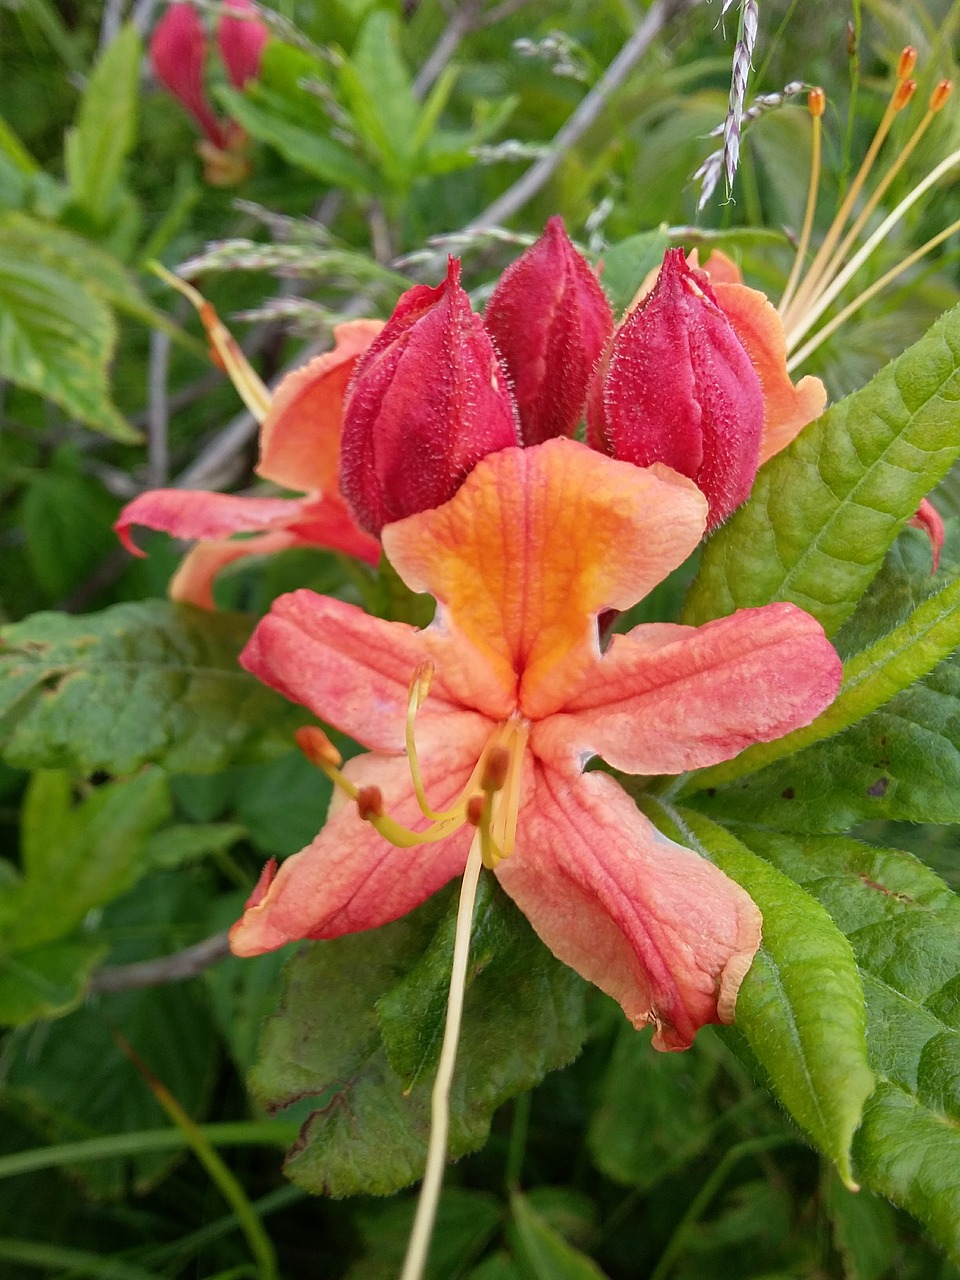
x=152, y=682
x=77, y=856
x=626, y=265
x=47, y=981
x=57, y=338
x=541, y=1252
x=523, y=984
x=870, y=679
x=904, y=924
x=801, y=1006
x=367, y=1133
x=824, y=512
x=106, y=126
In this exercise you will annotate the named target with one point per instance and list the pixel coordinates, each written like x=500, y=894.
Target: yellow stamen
x=226, y=350
x=816, y=104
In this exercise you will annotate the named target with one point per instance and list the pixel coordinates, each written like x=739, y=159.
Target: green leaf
x=365, y=1131
x=183, y=843
x=627, y=264
x=137, y=683
x=864, y=1230
x=376, y=89
x=466, y=1220
x=904, y=925
x=655, y=1110
x=77, y=857
x=57, y=338
x=106, y=126
x=66, y=520
x=45, y=982
x=870, y=679
x=801, y=1006
x=824, y=512
x=541, y=1252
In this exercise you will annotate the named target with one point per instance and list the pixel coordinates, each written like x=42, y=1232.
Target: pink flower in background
x=488, y=717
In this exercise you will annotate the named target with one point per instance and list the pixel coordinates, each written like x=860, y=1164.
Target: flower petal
x=354, y=671
x=531, y=548
x=327, y=522
x=197, y=513
x=786, y=408
x=300, y=436
x=668, y=698
x=350, y=878
x=657, y=927
x=193, y=581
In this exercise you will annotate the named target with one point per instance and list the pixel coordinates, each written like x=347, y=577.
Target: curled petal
x=532, y=547
x=240, y=41
x=660, y=929
x=300, y=436
x=354, y=671
x=193, y=514
x=178, y=55
x=193, y=581
x=929, y=521
x=664, y=699
x=350, y=878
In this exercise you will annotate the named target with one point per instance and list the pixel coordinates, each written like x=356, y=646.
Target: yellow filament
x=807, y=228
x=842, y=316
x=817, y=267
x=250, y=387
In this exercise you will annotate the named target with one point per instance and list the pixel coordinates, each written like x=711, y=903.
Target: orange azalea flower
x=480, y=726
x=299, y=449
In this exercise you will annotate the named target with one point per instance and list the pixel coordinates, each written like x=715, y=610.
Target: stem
x=419, y=1245
x=518, y=1141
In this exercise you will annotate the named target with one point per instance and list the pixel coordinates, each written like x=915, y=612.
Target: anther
x=903, y=93
x=370, y=803
x=422, y=680
x=475, y=808
x=816, y=101
x=317, y=747
x=496, y=768
x=906, y=62
x=941, y=93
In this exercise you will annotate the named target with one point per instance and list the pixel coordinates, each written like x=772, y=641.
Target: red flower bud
x=178, y=55
x=240, y=41
x=550, y=320
x=679, y=388
x=427, y=402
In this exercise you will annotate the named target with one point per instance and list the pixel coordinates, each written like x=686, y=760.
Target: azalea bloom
x=299, y=450
x=497, y=706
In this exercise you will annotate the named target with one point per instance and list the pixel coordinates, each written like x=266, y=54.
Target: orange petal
x=350, y=878
x=655, y=926
x=787, y=408
x=354, y=671
x=193, y=581
x=719, y=268
x=664, y=698
x=533, y=546
x=300, y=436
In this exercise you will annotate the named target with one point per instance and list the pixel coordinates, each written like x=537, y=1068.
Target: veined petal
x=350, y=878
x=786, y=408
x=532, y=547
x=657, y=927
x=300, y=436
x=664, y=699
x=193, y=581
x=197, y=513
x=354, y=671
x=326, y=521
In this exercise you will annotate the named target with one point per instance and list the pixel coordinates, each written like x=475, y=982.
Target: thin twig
x=586, y=114
x=158, y=410
x=463, y=21
x=111, y=21
x=155, y=973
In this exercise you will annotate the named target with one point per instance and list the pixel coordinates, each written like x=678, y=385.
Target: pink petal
x=193, y=581
x=300, y=436
x=532, y=547
x=354, y=671
x=655, y=926
x=178, y=54
x=350, y=878
x=672, y=698
x=196, y=513
x=328, y=522
x=929, y=521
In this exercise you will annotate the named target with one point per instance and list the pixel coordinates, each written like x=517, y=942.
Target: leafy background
x=145, y=779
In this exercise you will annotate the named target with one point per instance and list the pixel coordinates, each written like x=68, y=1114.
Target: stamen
x=816, y=105
x=419, y=689
x=810, y=285
x=226, y=351
x=370, y=803
x=317, y=747
x=475, y=809
x=496, y=770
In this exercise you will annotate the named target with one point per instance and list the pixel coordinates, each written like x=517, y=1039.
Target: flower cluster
x=179, y=52
x=448, y=439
